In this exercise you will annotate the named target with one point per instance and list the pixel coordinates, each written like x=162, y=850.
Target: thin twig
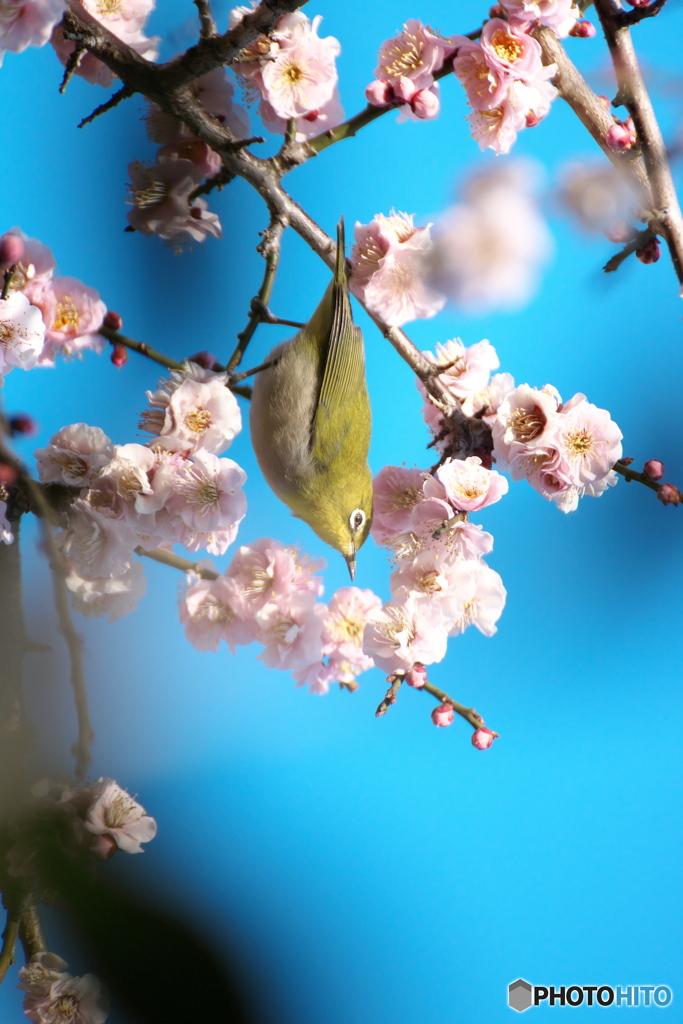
x=632, y=474
x=112, y=102
x=9, y=941
x=270, y=250
x=176, y=562
x=207, y=26
x=469, y=714
x=391, y=696
x=629, y=18
x=73, y=60
x=641, y=239
x=237, y=377
x=667, y=219
x=7, y=281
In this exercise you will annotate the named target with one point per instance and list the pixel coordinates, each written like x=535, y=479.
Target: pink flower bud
x=425, y=104
x=112, y=320
x=654, y=469
x=11, y=250
x=483, y=738
x=443, y=715
x=619, y=232
x=379, y=94
x=23, y=424
x=605, y=100
x=650, y=252
x=639, y=3
x=206, y=360
x=619, y=137
x=8, y=475
x=404, y=89
x=532, y=119
x=669, y=494
x=583, y=29
x=417, y=676
x=119, y=356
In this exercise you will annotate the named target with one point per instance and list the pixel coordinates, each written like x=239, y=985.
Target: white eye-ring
x=357, y=519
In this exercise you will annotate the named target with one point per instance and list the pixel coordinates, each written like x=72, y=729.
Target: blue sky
x=382, y=870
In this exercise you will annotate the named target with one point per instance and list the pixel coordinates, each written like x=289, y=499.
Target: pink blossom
x=159, y=196
x=73, y=314
x=215, y=610
x=196, y=415
x=583, y=29
x=499, y=388
x=36, y=264
x=72, y=1000
x=209, y=499
x=526, y=420
x=621, y=136
x=589, y=439
x=443, y=715
x=115, y=814
x=482, y=738
x=40, y=972
x=415, y=53
x=417, y=676
x=329, y=115
x=559, y=15
x=484, y=84
x=12, y=250
x=389, y=263
x=425, y=104
x=291, y=631
x=26, y=23
x=403, y=632
x=100, y=536
x=301, y=76
x=128, y=473
x=267, y=571
x=469, y=486
x=466, y=372
x=477, y=598
x=22, y=333
x=397, y=490
x=379, y=94
x=125, y=18
x=489, y=250
x=113, y=596
x=344, y=624
x=511, y=51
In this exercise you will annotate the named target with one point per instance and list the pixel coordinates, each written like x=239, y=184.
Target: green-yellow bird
x=310, y=421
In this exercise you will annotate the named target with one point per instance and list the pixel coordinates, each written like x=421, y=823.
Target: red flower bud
x=11, y=250
x=312, y=115
x=654, y=469
x=112, y=320
x=417, y=676
x=443, y=715
x=620, y=137
x=206, y=360
x=23, y=424
x=650, y=252
x=669, y=494
x=119, y=356
x=482, y=738
x=8, y=475
x=583, y=29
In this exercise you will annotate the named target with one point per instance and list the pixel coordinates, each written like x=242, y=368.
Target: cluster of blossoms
x=55, y=997
x=175, y=489
x=486, y=252
x=159, y=194
x=43, y=315
x=505, y=80
x=124, y=19
x=405, y=71
x=565, y=451
x=269, y=595
x=293, y=71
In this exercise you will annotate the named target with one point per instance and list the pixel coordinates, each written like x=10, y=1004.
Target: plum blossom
x=100, y=536
x=559, y=15
x=414, y=54
x=22, y=333
x=589, y=440
x=189, y=415
x=73, y=314
x=526, y=420
x=469, y=485
x=113, y=596
x=403, y=632
x=482, y=738
x=55, y=997
x=443, y=715
x=477, y=598
x=489, y=250
x=115, y=815
x=215, y=610
x=343, y=628
x=159, y=196
x=389, y=263
x=291, y=631
x=74, y=455
x=209, y=499
x=25, y=23
x=268, y=571
x=40, y=972
x=396, y=491
x=36, y=264
x=466, y=373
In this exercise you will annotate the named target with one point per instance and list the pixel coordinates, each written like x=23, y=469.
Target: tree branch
x=666, y=213
x=270, y=250
x=469, y=714
x=206, y=22
x=112, y=102
x=9, y=942
x=176, y=562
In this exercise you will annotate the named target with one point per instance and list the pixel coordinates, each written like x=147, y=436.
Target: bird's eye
x=357, y=519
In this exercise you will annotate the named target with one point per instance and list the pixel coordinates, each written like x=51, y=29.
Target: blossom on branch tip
x=621, y=136
x=482, y=738
x=654, y=469
x=417, y=676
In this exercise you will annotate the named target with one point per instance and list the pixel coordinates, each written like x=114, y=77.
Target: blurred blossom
x=559, y=15
x=593, y=193
x=489, y=249
x=26, y=23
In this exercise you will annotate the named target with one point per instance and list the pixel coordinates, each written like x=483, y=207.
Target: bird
x=310, y=421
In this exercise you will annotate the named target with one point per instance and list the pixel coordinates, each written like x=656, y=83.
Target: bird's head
x=342, y=515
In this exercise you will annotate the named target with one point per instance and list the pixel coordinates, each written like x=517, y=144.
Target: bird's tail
x=340, y=265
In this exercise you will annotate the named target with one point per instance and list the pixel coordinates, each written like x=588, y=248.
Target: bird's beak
x=351, y=562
